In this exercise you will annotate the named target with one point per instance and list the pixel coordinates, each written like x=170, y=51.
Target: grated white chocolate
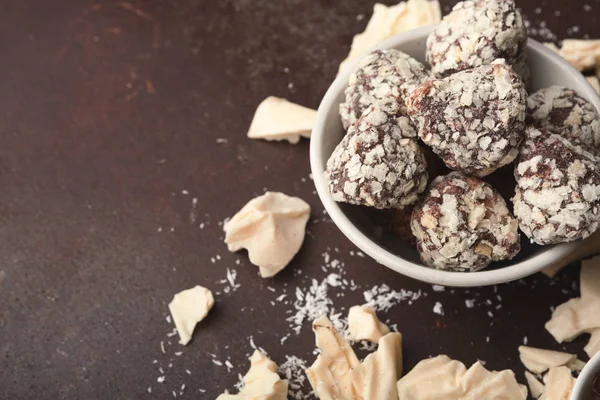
x=562, y=111
x=278, y=119
x=374, y=165
x=476, y=33
x=271, y=227
x=557, y=198
x=443, y=378
x=261, y=382
x=389, y=21
x=383, y=78
x=189, y=307
x=363, y=324
x=474, y=120
x=463, y=224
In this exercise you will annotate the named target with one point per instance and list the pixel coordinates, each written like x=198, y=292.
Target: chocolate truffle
x=375, y=165
x=383, y=78
x=562, y=111
x=463, y=224
x=473, y=120
x=476, y=33
x=557, y=198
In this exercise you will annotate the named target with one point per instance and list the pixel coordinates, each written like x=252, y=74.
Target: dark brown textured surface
x=108, y=111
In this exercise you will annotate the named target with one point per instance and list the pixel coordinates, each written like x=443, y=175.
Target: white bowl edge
x=585, y=379
x=396, y=263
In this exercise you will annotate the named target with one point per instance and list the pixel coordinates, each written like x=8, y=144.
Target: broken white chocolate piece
x=540, y=360
x=579, y=315
x=536, y=388
x=363, y=324
x=271, y=227
x=558, y=384
x=375, y=378
x=576, y=365
x=582, y=54
x=443, y=378
x=389, y=21
x=188, y=308
x=330, y=375
x=593, y=345
x=594, y=82
x=279, y=119
x=261, y=382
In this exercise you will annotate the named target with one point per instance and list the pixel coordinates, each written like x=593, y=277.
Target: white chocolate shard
x=189, y=307
x=536, y=388
x=540, y=360
x=330, y=375
x=479, y=383
x=579, y=315
x=271, y=227
x=576, y=365
x=278, y=119
x=593, y=345
x=558, y=384
x=363, y=324
x=389, y=21
x=375, y=378
x=583, y=54
x=443, y=378
x=261, y=382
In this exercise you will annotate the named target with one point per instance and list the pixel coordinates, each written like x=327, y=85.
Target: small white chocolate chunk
x=558, y=384
x=443, y=378
x=363, y=324
x=279, y=119
x=540, y=360
x=389, y=21
x=580, y=314
x=536, y=388
x=375, y=378
x=593, y=345
x=330, y=375
x=271, y=227
x=261, y=382
x=581, y=53
x=188, y=308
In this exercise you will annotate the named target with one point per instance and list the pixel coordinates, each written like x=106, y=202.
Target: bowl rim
x=385, y=257
x=587, y=373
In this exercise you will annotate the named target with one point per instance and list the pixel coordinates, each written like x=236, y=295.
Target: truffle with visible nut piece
x=474, y=120
x=374, y=165
x=463, y=224
x=562, y=111
x=557, y=198
x=383, y=78
x=476, y=33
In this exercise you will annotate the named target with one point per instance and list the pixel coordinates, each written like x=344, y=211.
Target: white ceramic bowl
x=582, y=389
x=547, y=69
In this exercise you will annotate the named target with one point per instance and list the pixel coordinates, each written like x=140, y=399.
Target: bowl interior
x=369, y=229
